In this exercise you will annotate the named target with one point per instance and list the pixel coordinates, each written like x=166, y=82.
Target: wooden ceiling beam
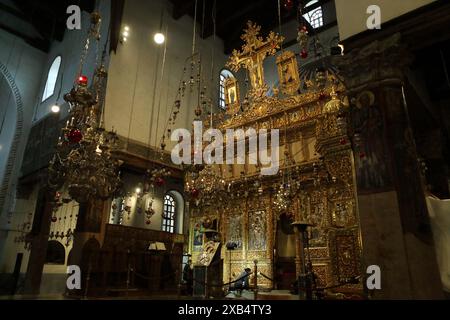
x=181, y=8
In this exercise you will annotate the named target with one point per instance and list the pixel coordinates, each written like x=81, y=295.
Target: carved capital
x=380, y=61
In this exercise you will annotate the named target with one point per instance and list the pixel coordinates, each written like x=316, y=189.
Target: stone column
x=395, y=227
x=39, y=242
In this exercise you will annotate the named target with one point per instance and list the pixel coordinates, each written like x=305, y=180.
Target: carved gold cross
x=253, y=53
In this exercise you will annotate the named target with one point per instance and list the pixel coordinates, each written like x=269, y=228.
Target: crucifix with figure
x=252, y=56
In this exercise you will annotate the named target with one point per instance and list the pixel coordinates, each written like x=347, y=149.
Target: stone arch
x=6, y=181
x=56, y=253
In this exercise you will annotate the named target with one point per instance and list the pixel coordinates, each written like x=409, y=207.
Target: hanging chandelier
x=84, y=162
x=206, y=186
x=288, y=188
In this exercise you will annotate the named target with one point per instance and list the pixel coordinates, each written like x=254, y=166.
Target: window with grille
x=169, y=214
x=224, y=75
x=315, y=16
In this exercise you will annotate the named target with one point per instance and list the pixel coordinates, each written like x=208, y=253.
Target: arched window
x=224, y=75
x=168, y=224
x=56, y=254
x=52, y=77
x=315, y=16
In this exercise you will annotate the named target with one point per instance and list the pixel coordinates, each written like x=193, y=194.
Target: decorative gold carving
x=306, y=107
x=335, y=104
x=257, y=231
x=321, y=272
x=252, y=56
x=208, y=252
x=343, y=214
x=340, y=168
x=234, y=232
x=288, y=73
x=345, y=254
x=319, y=253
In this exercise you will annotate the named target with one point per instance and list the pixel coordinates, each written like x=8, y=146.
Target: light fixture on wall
x=56, y=108
x=125, y=34
x=159, y=38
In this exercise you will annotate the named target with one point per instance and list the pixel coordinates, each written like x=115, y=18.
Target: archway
x=89, y=264
x=179, y=210
x=10, y=132
x=56, y=253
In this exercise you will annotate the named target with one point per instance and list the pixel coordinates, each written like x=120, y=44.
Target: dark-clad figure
x=188, y=277
x=243, y=282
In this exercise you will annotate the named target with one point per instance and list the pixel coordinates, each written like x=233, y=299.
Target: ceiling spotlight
x=56, y=108
x=159, y=38
x=125, y=34
x=126, y=28
x=138, y=190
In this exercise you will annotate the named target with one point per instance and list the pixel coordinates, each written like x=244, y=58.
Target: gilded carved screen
x=257, y=231
x=234, y=232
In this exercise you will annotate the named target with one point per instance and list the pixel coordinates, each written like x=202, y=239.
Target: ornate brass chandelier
x=206, y=186
x=288, y=187
x=84, y=162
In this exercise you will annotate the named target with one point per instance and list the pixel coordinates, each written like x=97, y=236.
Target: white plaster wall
x=70, y=50
x=24, y=63
x=138, y=220
x=29, y=67
x=132, y=94
x=23, y=208
x=352, y=14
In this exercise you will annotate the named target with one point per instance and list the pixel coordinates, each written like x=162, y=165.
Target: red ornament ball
x=75, y=136
x=195, y=193
x=82, y=80
x=148, y=222
x=304, y=54
x=159, y=182
x=54, y=219
x=343, y=141
x=362, y=155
